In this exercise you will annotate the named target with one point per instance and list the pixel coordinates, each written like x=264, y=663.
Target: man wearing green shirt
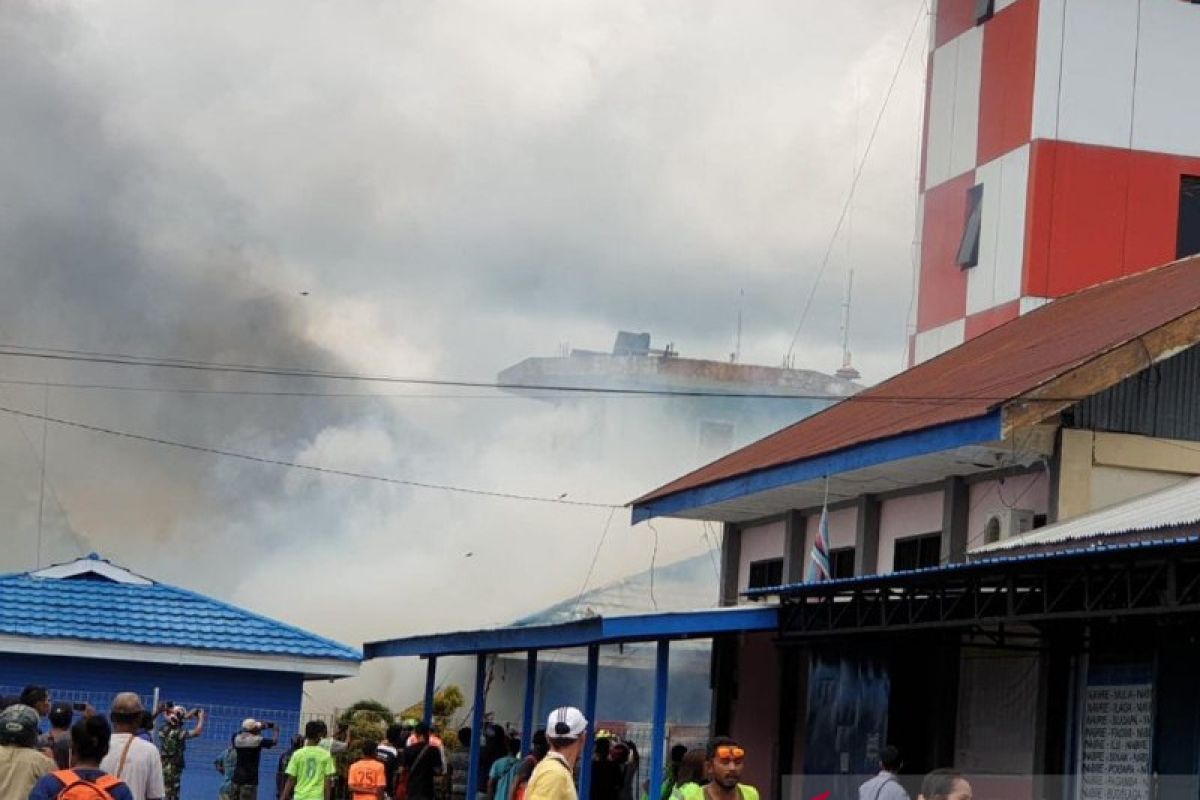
x=311, y=769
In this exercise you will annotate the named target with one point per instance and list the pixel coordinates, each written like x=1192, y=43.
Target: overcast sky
x=435, y=189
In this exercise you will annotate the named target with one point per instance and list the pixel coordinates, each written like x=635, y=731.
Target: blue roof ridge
x=350, y=652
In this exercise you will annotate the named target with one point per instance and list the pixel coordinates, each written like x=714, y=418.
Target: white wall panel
x=1029, y=303
x=1047, y=68
x=938, y=340
x=954, y=108
x=996, y=279
x=1010, y=225
x=940, y=134
x=966, y=101
x=1003, y=4
x=1167, y=105
x=1096, y=96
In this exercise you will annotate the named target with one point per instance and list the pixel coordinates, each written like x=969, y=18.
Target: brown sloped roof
x=978, y=375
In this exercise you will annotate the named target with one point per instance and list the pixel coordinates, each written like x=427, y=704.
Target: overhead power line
x=279, y=462
x=541, y=390
x=837, y=229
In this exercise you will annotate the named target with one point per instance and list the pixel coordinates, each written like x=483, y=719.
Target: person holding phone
x=249, y=744
x=58, y=740
x=172, y=742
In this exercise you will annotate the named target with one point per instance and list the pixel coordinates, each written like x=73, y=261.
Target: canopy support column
x=430, y=684
x=658, y=734
x=589, y=711
x=477, y=725
x=527, y=721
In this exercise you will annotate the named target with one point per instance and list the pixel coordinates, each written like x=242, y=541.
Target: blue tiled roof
x=96, y=609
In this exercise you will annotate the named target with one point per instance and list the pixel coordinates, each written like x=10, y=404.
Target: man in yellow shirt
x=554, y=776
x=310, y=768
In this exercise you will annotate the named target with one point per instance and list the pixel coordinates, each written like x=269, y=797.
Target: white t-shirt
x=143, y=766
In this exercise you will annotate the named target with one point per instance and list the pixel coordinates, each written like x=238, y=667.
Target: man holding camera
x=249, y=744
x=172, y=741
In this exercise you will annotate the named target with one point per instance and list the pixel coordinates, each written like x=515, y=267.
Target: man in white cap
x=554, y=776
x=249, y=744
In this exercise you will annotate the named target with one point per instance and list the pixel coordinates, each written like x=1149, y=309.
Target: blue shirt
x=48, y=787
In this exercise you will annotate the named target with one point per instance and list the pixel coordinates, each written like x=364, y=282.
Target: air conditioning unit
x=1005, y=523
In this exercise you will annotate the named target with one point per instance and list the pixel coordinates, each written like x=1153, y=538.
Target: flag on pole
x=818, y=565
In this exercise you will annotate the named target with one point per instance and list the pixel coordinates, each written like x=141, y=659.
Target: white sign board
x=1117, y=734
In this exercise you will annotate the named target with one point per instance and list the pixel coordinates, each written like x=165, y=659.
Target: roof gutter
x=976, y=430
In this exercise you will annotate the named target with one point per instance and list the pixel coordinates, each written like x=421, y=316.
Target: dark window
x=1039, y=520
x=1188, y=241
x=968, y=248
x=766, y=573
x=984, y=10
x=916, y=552
x=841, y=562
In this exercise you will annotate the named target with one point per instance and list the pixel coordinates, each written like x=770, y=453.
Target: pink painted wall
x=758, y=543
x=1021, y=491
x=755, y=713
x=901, y=517
x=842, y=530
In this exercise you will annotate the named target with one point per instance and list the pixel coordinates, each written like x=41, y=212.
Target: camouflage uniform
x=172, y=742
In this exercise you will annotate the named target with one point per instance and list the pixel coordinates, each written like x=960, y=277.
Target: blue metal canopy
x=901, y=577
x=582, y=633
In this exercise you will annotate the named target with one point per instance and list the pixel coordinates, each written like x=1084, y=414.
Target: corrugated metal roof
x=1167, y=508
x=977, y=565
x=976, y=377
x=91, y=607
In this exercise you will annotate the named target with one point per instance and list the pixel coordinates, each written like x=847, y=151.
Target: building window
x=841, y=562
x=917, y=552
x=984, y=10
x=968, y=248
x=1188, y=241
x=766, y=573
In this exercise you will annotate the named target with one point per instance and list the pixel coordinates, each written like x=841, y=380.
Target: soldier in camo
x=172, y=741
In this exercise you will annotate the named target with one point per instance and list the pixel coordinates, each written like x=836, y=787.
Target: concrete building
x=1060, y=669
x=1082, y=405
x=1061, y=149
x=89, y=629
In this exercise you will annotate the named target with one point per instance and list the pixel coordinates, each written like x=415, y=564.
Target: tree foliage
x=446, y=703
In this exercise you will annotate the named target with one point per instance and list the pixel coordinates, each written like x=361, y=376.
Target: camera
x=79, y=706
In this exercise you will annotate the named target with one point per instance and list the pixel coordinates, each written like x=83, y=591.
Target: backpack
x=79, y=788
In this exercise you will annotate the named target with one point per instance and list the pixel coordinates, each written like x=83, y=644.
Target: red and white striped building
x=1071, y=128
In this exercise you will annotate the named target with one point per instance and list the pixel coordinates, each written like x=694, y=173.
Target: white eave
x=310, y=668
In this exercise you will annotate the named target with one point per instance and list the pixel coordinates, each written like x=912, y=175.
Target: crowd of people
x=83, y=755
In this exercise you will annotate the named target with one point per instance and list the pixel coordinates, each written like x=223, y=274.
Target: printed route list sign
x=1117, y=724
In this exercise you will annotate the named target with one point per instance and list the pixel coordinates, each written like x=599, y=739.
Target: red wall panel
x=953, y=17
x=1006, y=89
x=984, y=321
x=943, y=294
x=1097, y=213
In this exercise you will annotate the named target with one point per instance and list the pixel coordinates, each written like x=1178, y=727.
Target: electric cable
x=854, y=181
x=278, y=462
